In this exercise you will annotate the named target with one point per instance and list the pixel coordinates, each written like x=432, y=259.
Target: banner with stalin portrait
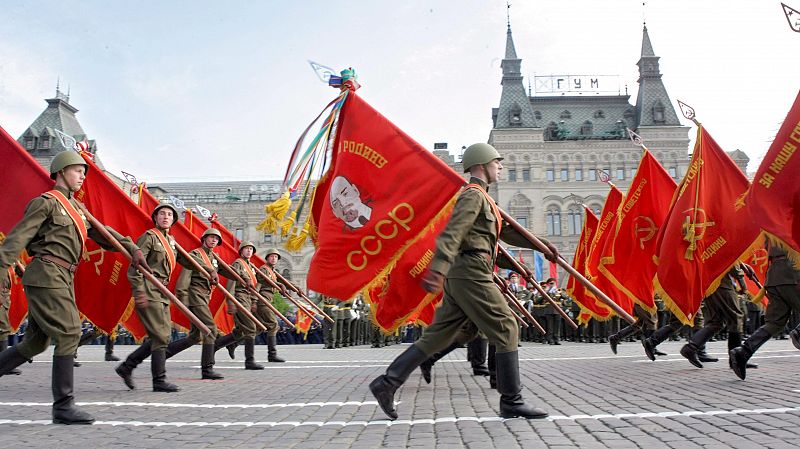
x=382, y=194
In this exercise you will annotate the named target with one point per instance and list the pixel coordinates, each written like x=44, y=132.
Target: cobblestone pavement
x=320, y=399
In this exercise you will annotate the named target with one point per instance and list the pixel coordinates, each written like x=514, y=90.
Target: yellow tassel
x=296, y=241
x=275, y=212
x=287, y=226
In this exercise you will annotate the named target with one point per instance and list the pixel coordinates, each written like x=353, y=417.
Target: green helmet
x=162, y=206
x=273, y=251
x=211, y=231
x=245, y=245
x=479, y=154
x=63, y=160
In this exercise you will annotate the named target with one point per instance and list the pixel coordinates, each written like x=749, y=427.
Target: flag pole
x=147, y=275
x=226, y=293
x=528, y=275
x=252, y=291
x=541, y=247
x=286, y=296
x=513, y=300
x=291, y=286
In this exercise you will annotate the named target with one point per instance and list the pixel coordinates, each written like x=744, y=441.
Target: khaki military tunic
x=5, y=303
x=155, y=317
x=782, y=290
x=263, y=312
x=194, y=290
x=465, y=253
x=47, y=229
x=244, y=328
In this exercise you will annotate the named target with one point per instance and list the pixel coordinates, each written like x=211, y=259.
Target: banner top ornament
x=635, y=138
x=179, y=204
x=688, y=112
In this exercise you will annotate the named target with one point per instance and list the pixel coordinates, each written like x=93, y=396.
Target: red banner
x=774, y=198
x=19, y=303
x=629, y=265
x=303, y=323
x=589, y=306
x=601, y=247
x=707, y=229
x=27, y=179
x=383, y=193
x=102, y=290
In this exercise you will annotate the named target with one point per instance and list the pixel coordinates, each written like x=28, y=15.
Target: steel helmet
x=273, y=251
x=63, y=160
x=162, y=206
x=245, y=245
x=211, y=231
x=479, y=154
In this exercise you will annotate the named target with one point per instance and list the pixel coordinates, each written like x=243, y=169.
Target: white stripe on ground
x=756, y=358
x=411, y=422
x=179, y=405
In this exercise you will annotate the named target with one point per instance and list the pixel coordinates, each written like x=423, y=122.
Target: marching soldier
x=553, y=318
x=54, y=233
x=462, y=265
x=672, y=327
x=343, y=318
x=5, y=304
x=93, y=334
x=244, y=329
x=263, y=312
x=194, y=290
x=722, y=310
x=328, y=306
x=645, y=323
x=783, y=290
x=152, y=306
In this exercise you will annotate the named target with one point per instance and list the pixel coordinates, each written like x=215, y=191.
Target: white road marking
x=180, y=405
x=411, y=422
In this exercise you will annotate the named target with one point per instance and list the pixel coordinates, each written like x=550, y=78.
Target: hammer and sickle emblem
x=694, y=229
x=87, y=256
x=760, y=258
x=644, y=226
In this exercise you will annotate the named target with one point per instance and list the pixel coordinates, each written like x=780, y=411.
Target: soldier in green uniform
x=328, y=306
x=539, y=309
x=54, y=232
x=194, y=290
x=645, y=323
x=553, y=318
x=783, y=290
x=343, y=318
x=263, y=312
x=722, y=311
x=152, y=306
x=462, y=265
x=6, y=278
x=244, y=329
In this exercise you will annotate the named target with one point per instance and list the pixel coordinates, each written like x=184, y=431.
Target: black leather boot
x=158, y=367
x=207, y=363
x=734, y=341
x=508, y=385
x=10, y=359
x=491, y=360
x=223, y=341
x=125, y=369
x=615, y=339
x=384, y=386
x=179, y=346
x=249, y=355
x=695, y=350
x=794, y=335
x=650, y=343
x=64, y=409
x=272, y=351
x=426, y=366
x=739, y=356
x=480, y=347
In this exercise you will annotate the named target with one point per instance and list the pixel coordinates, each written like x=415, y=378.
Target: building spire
x=653, y=106
x=515, y=105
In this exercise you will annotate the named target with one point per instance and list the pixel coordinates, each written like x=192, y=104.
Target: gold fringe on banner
x=275, y=212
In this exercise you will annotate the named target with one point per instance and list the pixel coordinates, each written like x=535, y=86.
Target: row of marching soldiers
x=54, y=230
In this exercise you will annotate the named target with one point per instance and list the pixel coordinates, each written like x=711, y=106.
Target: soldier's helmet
x=245, y=245
x=211, y=231
x=479, y=154
x=168, y=206
x=63, y=160
x=273, y=251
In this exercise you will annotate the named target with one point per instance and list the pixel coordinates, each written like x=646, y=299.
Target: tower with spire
x=515, y=107
x=653, y=106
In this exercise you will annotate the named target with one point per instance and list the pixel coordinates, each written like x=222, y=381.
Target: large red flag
x=706, y=232
x=382, y=194
x=24, y=179
x=102, y=291
x=600, y=247
x=589, y=306
x=629, y=265
x=774, y=198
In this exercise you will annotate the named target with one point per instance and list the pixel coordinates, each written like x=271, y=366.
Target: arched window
x=587, y=128
x=553, y=217
x=574, y=221
x=658, y=113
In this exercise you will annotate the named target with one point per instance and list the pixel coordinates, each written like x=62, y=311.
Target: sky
x=211, y=91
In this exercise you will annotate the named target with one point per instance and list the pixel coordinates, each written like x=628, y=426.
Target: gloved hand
x=432, y=282
x=140, y=299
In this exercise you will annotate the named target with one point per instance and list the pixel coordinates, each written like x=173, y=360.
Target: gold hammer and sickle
x=648, y=228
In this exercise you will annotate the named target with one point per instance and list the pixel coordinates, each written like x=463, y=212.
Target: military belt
x=72, y=267
x=478, y=252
